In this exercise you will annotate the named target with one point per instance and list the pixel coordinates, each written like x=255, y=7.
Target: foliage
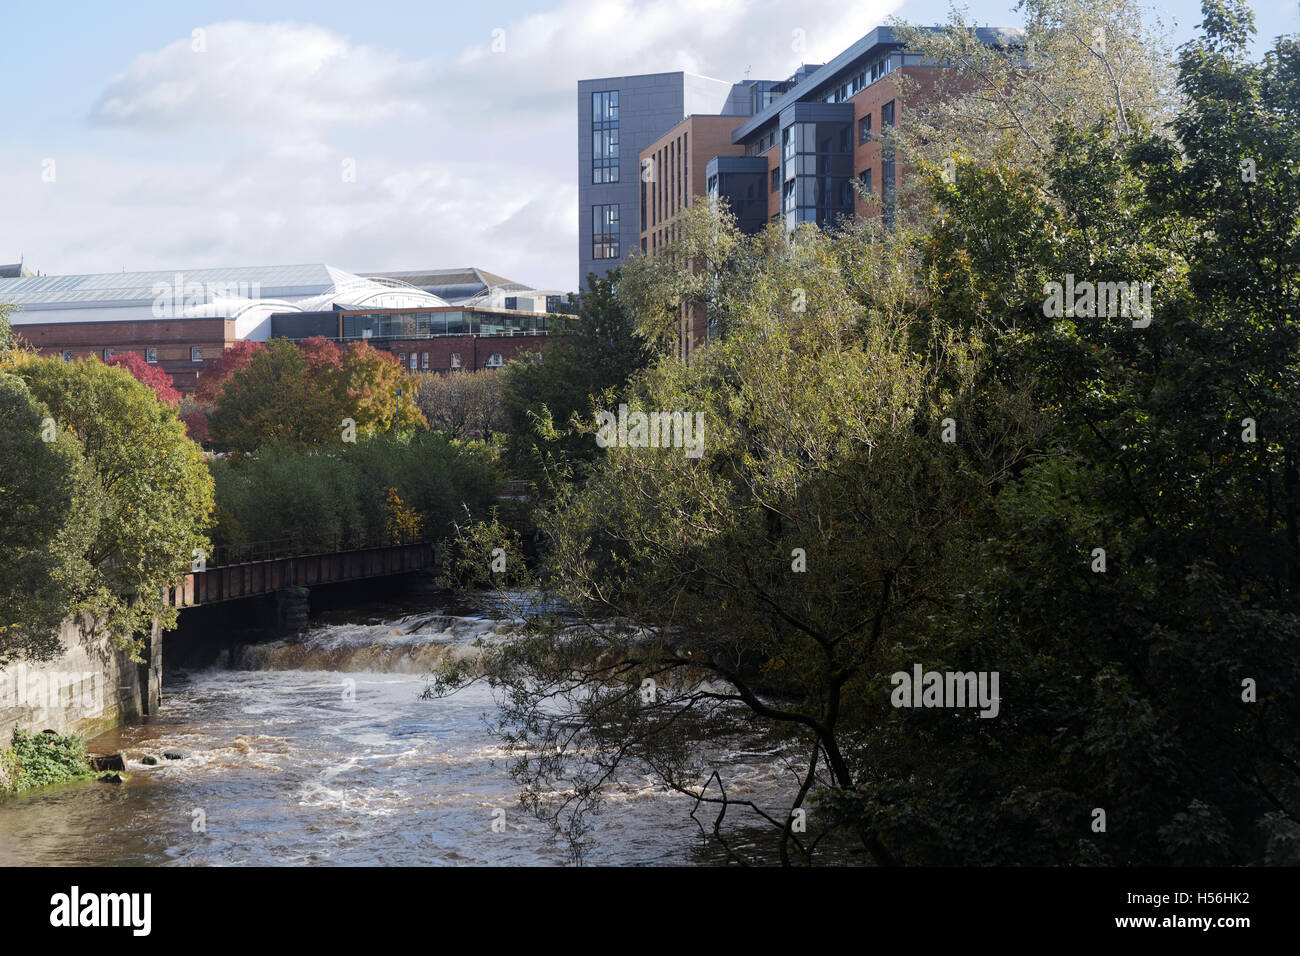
x=7, y=337
x=40, y=760
x=305, y=395
x=463, y=404
x=146, y=495
x=326, y=499
x=1081, y=62
x=1115, y=530
x=194, y=415
x=216, y=373
x=401, y=524
x=147, y=374
x=587, y=361
x=45, y=527
x=1126, y=689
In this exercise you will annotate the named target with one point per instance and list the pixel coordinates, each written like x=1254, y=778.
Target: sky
x=371, y=136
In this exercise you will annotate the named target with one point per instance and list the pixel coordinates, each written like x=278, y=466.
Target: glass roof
x=121, y=288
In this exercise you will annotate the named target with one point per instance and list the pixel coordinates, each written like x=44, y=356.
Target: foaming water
x=321, y=751
x=414, y=644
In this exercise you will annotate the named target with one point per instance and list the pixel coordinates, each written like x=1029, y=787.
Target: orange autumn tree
x=401, y=523
x=305, y=394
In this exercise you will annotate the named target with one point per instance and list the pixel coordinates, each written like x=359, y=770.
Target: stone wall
x=90, y=687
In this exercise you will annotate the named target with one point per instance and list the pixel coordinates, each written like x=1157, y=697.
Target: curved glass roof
x=211, y=291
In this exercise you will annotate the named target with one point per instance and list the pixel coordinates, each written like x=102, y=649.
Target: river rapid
x=322, y=752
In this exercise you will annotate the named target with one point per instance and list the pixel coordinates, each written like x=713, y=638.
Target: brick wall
x=473, y=350
x=172, y=338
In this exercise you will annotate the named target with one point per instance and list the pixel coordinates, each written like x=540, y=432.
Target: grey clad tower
x=619, y=116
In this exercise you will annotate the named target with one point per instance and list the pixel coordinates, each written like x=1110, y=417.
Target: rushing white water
x=323, y=752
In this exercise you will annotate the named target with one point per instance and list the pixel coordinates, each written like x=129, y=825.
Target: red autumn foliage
x=213, y=378
x=147, y=374
x=196, y=424
x=321, y=353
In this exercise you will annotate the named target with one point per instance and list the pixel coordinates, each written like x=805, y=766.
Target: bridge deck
x=234, y=581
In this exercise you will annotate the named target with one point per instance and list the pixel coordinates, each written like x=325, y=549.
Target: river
x=321, y=752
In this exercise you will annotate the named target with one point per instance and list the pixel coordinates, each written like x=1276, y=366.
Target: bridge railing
x=225, y=555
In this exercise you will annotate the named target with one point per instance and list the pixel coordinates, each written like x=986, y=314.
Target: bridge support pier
x=292, y=608
x=151, y=671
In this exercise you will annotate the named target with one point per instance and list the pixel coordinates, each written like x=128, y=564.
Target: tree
x=595, y=353
x=762, y=577
x=324, y=499
x=215, y=374
x=7, y=338
x=1080, y=62
x=368, y=382
x=45, y=524
x=463, y=404
x=305, y=396
x=1141, y=567
x=147, y=374
x=150, y=493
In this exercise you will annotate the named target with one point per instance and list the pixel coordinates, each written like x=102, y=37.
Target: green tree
x=303, y=395
x=1132, y=685
x=150, y=495
x=820, y=525
x=583, y=362
x=46, y=524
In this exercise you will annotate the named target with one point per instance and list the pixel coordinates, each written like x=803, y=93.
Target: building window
x=196, y=354
x=494, y=360
x=401, y=359
x=415, y=363
x=151, y=356
x=553, y=303
x=864, y=177
x=776, y=178
x=864, y=129
x=108, y=354
x=887, y=114
x=512, y=302
x=455, y=360
x=604, y=137
x=67, y=355
x=424, y=360
x=604, y=231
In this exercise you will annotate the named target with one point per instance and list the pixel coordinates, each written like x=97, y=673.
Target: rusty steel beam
x=234, y=582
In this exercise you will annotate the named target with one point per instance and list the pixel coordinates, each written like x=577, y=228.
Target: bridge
x=262, y=568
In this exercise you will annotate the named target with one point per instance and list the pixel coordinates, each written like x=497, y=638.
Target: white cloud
x=264, y=75
x=467, y=157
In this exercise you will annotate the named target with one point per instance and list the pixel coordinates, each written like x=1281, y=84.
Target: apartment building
x=618, y=117
x=783, y=151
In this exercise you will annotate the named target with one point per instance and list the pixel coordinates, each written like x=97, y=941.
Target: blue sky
x=170, y=152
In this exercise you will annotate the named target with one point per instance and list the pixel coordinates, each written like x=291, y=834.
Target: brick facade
x=474, y=350
x=171, y=339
